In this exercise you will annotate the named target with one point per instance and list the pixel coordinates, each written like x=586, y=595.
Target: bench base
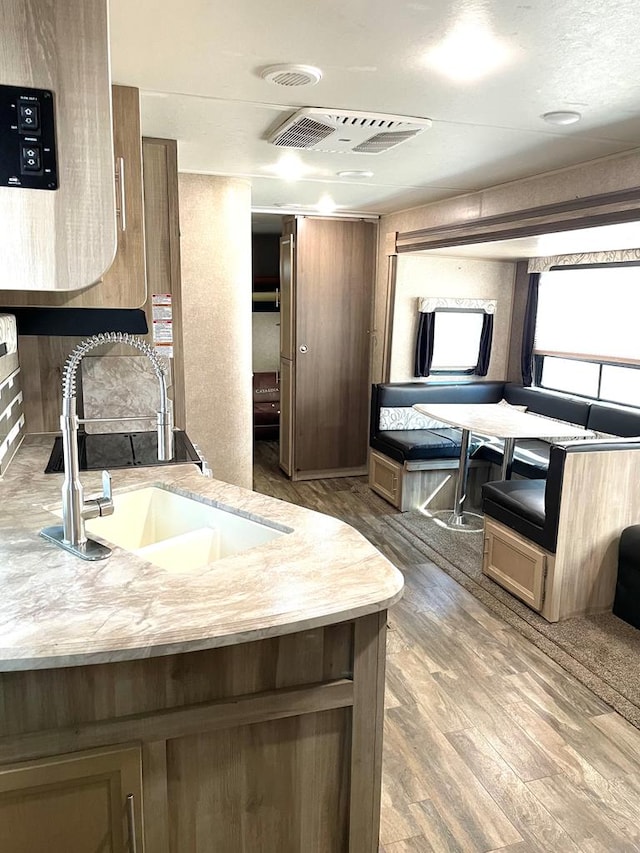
x=423, y=484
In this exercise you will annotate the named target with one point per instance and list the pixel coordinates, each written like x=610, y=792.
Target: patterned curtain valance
x=428, y=304
x=615, y=256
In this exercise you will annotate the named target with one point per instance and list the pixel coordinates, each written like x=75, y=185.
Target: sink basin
x=176, y=532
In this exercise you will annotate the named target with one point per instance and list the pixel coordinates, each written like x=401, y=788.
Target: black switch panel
x=27, y=139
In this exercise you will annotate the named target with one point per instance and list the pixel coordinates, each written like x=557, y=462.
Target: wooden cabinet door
x=333, y=292
x=286, y=416
x=61, y=239
x=123, y=285
x=86, y=802
x=515, y=563
x=385, y=476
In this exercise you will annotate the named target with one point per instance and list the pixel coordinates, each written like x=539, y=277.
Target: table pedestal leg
x=460, y=519
x=507, y=458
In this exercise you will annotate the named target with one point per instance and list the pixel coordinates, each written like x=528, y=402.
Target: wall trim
x=602, y=209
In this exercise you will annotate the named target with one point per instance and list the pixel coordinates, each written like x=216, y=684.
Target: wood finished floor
x=489, y=745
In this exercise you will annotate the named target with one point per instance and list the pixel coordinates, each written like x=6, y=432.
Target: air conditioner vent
x=304, y=134
x=384, y=141
x=336, y=131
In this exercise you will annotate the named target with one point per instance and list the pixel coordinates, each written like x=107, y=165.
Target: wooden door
x=333, y=292
x=74, y=803
x=286, y=416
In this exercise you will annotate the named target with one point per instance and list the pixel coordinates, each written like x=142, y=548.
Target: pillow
x=511, y=406
x=406, y=417
x=562, y=438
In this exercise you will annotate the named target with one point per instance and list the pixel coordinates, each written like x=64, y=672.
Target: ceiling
x=197, y=64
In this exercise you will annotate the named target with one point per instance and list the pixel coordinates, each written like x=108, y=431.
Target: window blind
x=590, y=314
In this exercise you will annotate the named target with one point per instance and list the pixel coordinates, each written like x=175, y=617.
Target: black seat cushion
x=404, y=444
x=626, y=604
x=530, y=459
x=520, y=505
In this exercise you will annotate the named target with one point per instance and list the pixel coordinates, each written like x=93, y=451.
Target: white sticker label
x=162, y=332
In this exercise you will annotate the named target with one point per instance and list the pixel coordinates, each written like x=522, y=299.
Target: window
x=456, y=341
x=586, y=336
x=454, y=336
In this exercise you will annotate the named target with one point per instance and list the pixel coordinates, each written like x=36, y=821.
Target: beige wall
x=266, y=341
x=609, y=174
x=432, y=275
x=215, y=225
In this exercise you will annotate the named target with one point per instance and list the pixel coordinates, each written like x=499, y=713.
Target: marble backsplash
x=120, y=386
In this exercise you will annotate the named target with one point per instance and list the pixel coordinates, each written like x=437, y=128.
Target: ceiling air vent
x=292, y=75
x=339, y=131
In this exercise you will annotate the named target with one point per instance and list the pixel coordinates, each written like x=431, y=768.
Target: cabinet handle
x=131, y=824
x=121, y=208
x=304, y=348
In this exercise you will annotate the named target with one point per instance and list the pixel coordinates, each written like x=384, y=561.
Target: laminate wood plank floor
x=489, y=745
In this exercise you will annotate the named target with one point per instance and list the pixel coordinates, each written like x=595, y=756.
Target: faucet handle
x=105, y=503
x=106, y=485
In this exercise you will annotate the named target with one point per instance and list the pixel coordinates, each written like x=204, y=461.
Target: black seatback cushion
x=409, y=393
x=549, y=405
x=614, y=421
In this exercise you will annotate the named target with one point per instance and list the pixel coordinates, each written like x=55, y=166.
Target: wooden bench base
x=427, y=483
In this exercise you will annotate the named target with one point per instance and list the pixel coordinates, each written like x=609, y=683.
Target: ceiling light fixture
x=469, y=51
x=326, y=205
x=289, y=167
x=354, y=173
x=291, y=75
x=562, y=117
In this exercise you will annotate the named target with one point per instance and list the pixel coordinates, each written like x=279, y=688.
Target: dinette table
x=497, y=421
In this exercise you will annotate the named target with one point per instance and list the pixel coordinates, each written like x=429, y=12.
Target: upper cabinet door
x=62, y=238
x=124, y=284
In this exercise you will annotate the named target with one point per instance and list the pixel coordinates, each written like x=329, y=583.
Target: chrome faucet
x=71, y=534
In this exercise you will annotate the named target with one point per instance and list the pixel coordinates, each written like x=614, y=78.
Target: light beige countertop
x=58, y=610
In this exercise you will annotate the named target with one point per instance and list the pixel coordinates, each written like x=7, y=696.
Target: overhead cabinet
x=123, y=284
x=326, y=278
x=57, y=208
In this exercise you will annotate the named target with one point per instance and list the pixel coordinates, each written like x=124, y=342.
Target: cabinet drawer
x=515, y=563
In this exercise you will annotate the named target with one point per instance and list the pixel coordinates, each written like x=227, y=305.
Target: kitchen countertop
x=58, y=610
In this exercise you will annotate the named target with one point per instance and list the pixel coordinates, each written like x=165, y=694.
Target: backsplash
x=120, y=386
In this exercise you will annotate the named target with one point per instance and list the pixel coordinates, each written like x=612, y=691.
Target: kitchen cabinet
x=62, y=237
x=42, y=357
x=73, y=803
x=272, y=745
x=123, y=285
x=326, y=280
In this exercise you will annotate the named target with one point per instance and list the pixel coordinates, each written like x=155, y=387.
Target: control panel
x=27, y=139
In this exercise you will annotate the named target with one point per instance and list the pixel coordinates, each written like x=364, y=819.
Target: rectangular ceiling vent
x=340, y=131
